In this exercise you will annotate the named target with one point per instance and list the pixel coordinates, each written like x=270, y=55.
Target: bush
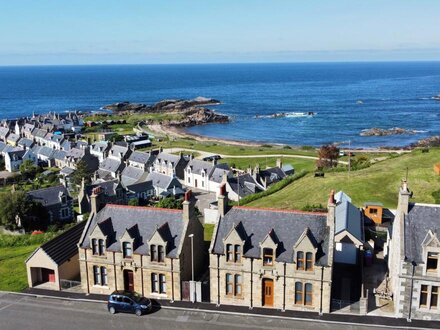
x=273, y=189
x=287, y=147
x=266, y=146
x=314, y=208
x=25, y=240
x=307, y=148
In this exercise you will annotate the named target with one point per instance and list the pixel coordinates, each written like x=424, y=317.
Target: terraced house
x=141, y=249
x=272, y=258
x=414, y=265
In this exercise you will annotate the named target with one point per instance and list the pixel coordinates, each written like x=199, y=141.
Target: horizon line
x=225, y=63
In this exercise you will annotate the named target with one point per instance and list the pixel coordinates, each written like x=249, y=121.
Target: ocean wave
x=288, y=115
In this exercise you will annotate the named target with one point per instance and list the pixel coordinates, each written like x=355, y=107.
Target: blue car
x=128, y=302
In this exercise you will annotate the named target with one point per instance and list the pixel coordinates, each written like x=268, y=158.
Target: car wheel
x=112, y=310
x=138, y=312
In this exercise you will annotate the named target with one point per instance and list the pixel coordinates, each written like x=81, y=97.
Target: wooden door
x=128, y=280
x=267, y=292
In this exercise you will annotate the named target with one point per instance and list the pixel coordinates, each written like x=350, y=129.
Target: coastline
x=182, y=133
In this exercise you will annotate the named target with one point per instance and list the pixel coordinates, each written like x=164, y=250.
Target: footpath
x=349, y=319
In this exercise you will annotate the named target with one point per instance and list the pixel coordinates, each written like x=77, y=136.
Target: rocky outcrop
x=437, y=97
x=433, y=141
x=161, y=106
x=385, y=132
x=191, y=111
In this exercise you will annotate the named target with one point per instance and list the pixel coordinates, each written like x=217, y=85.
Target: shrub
x=273, y=189
x=287, y=147
x=25, y=240
x=314, y=208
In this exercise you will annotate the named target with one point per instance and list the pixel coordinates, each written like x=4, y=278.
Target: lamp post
x=192, y=256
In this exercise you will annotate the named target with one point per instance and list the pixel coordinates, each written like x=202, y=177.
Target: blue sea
x=346, y=97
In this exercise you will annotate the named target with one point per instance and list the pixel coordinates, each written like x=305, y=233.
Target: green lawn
x=209, y=229
x=378, y=183
x=13, y=275
x=243, y=163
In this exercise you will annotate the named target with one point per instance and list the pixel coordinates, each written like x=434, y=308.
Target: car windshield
x=135, y=296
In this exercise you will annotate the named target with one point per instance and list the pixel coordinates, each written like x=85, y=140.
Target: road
x=27, y=312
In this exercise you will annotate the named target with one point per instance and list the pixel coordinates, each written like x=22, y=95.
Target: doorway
x=267, y=292
x=128, y=280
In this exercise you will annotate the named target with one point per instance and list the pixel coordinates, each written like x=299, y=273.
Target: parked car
x=211, y=158
x=128, y=302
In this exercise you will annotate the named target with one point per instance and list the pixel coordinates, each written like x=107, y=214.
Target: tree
x=28, y=170
x=17, y=210
x=82, y=171
x=328, y=156
x=170, y=203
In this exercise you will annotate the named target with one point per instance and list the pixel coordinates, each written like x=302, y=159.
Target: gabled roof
x=64, y=246
x=48, y=196
x=13, y=137
x=421, y=219
x=163, y=181
x=197, y=166
x=25, y=142
x=219, y=171
x=168, y=158
x=244, y=185
x=119, y=218
x=118, y=151
x=43, y=151
x=348, y=218
x=111, y=165
x=141, y=157
x=272, y=174
x=100, y=146
x=132, y=174
x=288, y=226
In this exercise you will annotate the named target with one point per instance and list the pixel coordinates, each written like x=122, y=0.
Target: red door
x=47, y=275
x=128, y=280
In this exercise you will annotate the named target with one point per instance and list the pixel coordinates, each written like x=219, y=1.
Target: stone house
x=272, y=258
x=413, y=260
x=164, y=185
x=111, y=191
x=170, y=165
x=142, y=249
x=56, y=200
x=205, y=175
x=100, y=150
x=13, y=159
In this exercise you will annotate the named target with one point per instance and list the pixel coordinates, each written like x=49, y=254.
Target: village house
x=142, y=249
x=57, y=202
x=112, y=191
x=13, y=139
x=100, y=150
x=170, y=165
x=164, y=185
x=241, y=186
x=205, y=175
x=272, y=258
x=413, y=261
x=13, y=159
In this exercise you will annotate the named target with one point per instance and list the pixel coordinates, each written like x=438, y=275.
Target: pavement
x=45, y=309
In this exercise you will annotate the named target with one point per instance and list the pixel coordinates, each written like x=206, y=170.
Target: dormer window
x=98, y=247
x=233, y=253
x=267, y=257
x=300, y=260
x=127, y=249
x=157, y=253
x=432, y=262
x=101, y=245
x=309, y=261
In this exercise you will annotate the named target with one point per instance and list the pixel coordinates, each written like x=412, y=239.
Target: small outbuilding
x=374, y=212
x=56, y=260
x=437, y=168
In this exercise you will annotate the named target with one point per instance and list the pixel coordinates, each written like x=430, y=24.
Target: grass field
x=243, y=163
x=378, y=183
x=209, y=229
x=12, y=267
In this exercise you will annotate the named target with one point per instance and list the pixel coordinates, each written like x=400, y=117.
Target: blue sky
x=210, y=31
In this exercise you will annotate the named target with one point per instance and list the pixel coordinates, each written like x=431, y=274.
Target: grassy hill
x=378, y=183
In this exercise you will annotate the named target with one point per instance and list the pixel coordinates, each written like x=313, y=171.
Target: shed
x=374, y=211
x=56, y=260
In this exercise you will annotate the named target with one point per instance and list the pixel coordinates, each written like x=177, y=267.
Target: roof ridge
x=144, y=208
x=278, y=210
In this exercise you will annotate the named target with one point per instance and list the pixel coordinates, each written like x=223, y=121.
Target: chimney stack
x=223, y=200
x=279, y=162
x=188, y=206
x=96, y=200
x=404, y=195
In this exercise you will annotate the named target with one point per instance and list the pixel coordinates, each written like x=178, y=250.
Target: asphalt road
x=25, y=312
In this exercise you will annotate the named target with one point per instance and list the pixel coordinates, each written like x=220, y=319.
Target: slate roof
x=13, y=137
x=420, y=219
x=141, y=157
x=272, y=175
x=163, y=181
x=2, y=146
x=140, y=186
x=340, y=197
x=288, y=169
x=111, y=165
x=64, y=246
x=67, y=171
x=218, y=172
x=100, y=146
x=43, y=151
x=40, y=133
x=132, y=174
x=167, y=158
x=349, y=218
x=48, y=196
x=118, y=151
x=197, y=166
x=108, y=187
x=28, y=143
x=141, y=222
x=17, y=154
x=254, y=225
x=59, y=154
x=28, y=127
x=244, y=185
